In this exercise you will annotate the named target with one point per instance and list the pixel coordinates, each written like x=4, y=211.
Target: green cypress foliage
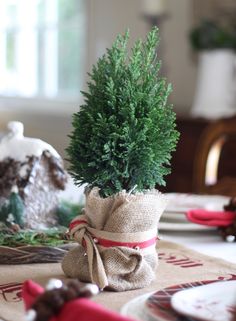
x=17, y=208
x=210, y=35
x=66, y=212
x=4, y=212
x=124, y=133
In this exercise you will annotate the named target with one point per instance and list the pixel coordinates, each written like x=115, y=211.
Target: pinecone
x=229, y=232
x=50, y=303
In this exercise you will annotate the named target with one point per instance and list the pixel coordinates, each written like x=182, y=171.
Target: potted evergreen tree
x=121, y=147
x=215, y=42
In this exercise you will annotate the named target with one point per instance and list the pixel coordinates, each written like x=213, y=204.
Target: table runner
x=177, y=265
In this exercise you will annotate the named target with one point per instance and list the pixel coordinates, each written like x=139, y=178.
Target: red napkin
x=81, y=309
x=211, y=218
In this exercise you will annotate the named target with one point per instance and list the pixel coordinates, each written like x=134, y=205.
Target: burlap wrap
x=121, y=218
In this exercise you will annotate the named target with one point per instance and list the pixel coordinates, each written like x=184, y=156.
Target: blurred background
x=48, y=46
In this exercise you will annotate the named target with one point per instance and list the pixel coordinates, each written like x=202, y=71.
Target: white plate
x=167, y=226
x=211, y=302
x=180, y=202
x=174, y=219
x=136, y=309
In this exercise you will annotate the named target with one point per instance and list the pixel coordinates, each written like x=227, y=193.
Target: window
x=42, y=48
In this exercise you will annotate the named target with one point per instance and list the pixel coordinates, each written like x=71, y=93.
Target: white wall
x=107, y=19
x=181, y=65
x=110, y=17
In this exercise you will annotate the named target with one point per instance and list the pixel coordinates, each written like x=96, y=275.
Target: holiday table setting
x=179, y=268
x=98, y=242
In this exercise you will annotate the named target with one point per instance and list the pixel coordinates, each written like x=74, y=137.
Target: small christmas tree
x=12, y=210
x=125, y=132
x=121, y=144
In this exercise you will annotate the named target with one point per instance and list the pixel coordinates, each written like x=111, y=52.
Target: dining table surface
x=205, y=242
x=208, y=255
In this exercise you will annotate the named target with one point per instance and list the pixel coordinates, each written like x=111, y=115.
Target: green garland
x=55, y=236
x=66, y=211
x=51, y=237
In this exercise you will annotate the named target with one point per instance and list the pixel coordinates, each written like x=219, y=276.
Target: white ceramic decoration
x=16, y=145
x=216, y=83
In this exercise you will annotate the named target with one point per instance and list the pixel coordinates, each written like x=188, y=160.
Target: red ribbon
x=76, y=222
x=110, y=243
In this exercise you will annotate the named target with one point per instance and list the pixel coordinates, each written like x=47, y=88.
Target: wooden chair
x=209, y=177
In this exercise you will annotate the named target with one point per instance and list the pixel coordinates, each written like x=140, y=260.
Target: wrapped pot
x=117, y=240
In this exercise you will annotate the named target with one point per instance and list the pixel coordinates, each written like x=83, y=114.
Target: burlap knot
x=82, y=235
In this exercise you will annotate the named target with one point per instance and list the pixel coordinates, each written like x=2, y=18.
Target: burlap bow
x=80, y=232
